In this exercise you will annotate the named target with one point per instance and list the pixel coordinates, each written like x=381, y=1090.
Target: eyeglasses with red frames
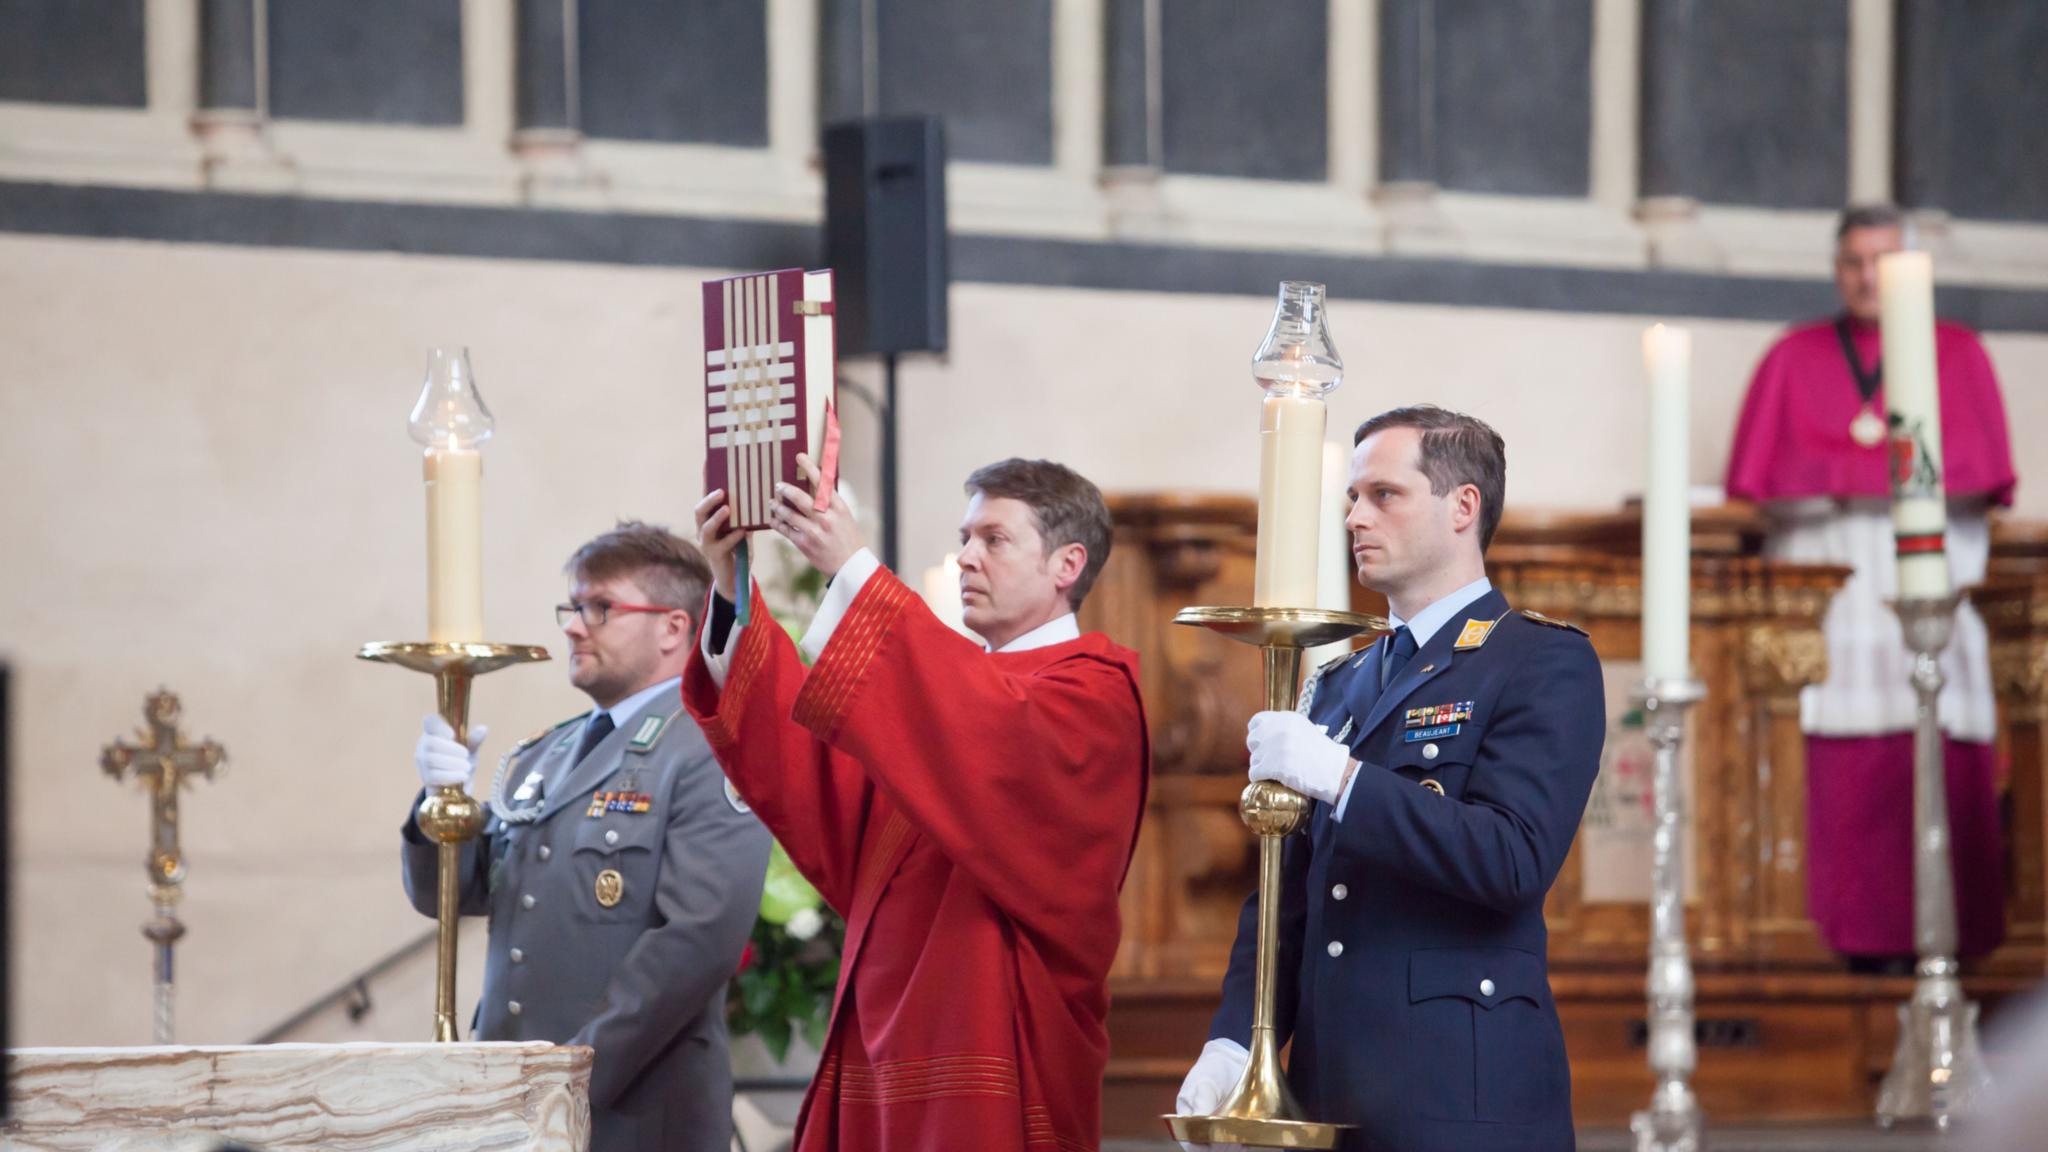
x=597, y=612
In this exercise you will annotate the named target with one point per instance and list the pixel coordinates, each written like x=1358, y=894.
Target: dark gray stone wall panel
x=1246, y=88
x=1746, y=101
x=1973, y=107
x=986, y=69
x=1514, y=96
x=669, y=241
x=371, y=61
x=666, y=70
x=73, y=52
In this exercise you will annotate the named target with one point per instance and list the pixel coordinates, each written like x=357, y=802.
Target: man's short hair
x=1873, y=216
x=1456, y=450
x=665, y=566
x=1066, y=505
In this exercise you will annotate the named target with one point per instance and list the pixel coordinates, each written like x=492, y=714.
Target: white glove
x=1209, y=1081
x=1287, y=748
x=443, y=762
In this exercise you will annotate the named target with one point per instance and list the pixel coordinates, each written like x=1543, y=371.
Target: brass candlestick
x=449, y=816
x=1261, y=1111
x=162, y=761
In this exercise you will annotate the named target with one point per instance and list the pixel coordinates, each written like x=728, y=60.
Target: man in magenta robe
x=1810, y=450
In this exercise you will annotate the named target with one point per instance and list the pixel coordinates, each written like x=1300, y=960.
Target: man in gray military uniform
x=621, y=875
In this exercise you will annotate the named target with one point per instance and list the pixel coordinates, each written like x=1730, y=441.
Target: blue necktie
x=1398, y=652
x=594, y=732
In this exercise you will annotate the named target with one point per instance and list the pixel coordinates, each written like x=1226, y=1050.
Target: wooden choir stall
x=1786, y=1031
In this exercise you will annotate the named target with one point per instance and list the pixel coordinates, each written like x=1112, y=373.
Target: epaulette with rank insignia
x=1553, y=622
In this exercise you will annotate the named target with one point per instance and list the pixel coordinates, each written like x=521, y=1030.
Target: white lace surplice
x=1867, y=692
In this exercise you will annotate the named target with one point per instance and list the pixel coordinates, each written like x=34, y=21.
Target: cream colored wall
x=208, y=485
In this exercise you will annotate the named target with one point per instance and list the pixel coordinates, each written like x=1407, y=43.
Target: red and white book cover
x=768, y=383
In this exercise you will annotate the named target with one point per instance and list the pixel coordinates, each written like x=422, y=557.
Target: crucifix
x=161, y=762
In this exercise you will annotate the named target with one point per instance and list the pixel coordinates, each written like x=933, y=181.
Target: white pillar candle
x=455, y=580
x=1905, y=283
x=1335, y=575
x=1290, y=499
x=942, y=593
x=1667, y=517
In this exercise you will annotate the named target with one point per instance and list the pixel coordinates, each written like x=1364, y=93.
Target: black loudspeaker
x=885, y=233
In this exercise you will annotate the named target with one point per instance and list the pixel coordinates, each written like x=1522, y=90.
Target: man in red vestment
x=970, y=812
x=1810, y=449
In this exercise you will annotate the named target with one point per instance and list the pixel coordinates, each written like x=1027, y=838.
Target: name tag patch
x=1436, y=733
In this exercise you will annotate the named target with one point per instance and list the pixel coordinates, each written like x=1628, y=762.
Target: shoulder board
x=544, y=733
x=1553, y=622
x=1308, y=687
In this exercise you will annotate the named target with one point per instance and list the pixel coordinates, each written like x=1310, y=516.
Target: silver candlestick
x=1672, y=1122
x=1937, y=1069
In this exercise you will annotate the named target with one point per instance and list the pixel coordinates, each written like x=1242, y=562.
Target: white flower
x=805, y=924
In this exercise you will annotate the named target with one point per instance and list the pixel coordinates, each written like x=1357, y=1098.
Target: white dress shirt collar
x=1430, y=619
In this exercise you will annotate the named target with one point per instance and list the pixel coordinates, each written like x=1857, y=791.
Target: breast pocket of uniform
x=617, y=858
x=1497, y=1055
x=1441, y=765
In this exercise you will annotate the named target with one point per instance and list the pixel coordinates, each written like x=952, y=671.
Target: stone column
x=1672, y=149
x=1407, y=130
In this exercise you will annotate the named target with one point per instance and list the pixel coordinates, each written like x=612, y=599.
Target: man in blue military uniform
x=1449, y=763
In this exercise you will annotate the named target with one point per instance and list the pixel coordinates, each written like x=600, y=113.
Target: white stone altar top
x=300, y=1098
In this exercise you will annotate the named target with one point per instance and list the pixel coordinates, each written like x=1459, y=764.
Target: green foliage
x=785, y=988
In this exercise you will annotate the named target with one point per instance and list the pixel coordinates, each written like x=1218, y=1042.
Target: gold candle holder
x=1261, y=1111
x=449, y=816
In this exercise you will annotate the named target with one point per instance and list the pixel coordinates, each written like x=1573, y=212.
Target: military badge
x=611, y=888
x=1473, y=635
x=1437, y=715
x=630, y=803
x=732, y=797
x=649, y=731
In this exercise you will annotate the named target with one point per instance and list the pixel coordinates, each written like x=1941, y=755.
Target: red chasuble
x=1793, y=440
x=972, y=816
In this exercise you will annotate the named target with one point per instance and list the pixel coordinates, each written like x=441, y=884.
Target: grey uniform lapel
x=637, y=734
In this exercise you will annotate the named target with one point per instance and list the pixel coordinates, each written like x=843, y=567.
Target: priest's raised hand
x=827, y=538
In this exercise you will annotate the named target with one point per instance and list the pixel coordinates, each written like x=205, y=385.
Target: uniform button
x=1336, y=948
x=611, y=836
x=1429, y=751
x=546, y=851
x=1339, y=892
x=518, y=957
x=526, y=901
x=1486, y=987
x=513, y=1007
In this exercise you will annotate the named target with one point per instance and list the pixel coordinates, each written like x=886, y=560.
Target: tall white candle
x=1290, y=498
x=1905, y=282
x=942, y=593
x=1335, y=574
x=455, y=567
x=1667, y=517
